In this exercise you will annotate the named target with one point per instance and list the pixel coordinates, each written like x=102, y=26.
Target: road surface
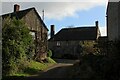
x=63, y=69
x=60, y=70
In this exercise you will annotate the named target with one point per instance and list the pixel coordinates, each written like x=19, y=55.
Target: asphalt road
x=60, y=70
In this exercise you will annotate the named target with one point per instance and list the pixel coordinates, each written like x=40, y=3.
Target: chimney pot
x=96, y=23
x=16, y=7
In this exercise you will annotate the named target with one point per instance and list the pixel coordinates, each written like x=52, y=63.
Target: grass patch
x=34, y=67
x=50, y=60
x=21, y=74
x=37, y=65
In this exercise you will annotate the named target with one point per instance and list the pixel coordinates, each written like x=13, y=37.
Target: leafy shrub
x=49, y=53
x=16, y=41
x=105, y=67
x=90, y=47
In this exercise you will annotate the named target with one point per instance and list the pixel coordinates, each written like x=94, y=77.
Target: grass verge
x=50, y=60
x=34, y=67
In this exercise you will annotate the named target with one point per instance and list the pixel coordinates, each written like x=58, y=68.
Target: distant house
x=35, y=24
x=67, y=39
x=113, y=21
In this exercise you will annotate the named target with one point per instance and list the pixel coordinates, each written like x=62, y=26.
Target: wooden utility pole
x=43, y=15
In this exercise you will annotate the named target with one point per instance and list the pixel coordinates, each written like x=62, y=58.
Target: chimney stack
x=16, y=7
x=96, y=23
x=52, y=31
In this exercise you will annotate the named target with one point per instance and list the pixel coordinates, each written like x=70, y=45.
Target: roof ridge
x=19, y=11
x=27, y=9
x=80, y=27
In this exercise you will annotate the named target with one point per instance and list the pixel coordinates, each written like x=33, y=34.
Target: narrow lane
x=61, y=70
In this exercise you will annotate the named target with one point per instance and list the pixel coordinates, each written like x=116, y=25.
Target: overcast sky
x=64, y=13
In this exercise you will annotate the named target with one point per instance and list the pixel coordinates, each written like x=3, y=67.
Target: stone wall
x=34, y=24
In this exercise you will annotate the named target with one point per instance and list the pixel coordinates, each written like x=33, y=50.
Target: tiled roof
x=20, y=14
x=78, y=33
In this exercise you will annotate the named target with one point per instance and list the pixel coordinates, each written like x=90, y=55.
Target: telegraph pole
x=43, y=15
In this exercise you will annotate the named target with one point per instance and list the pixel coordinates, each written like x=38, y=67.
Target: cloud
x=103, y=1
x=65, y=9
x=57, y=9
x=103, y=31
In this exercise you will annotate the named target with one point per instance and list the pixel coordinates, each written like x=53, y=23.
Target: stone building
x=37, y=27
x=113, y=20
x=66, y=41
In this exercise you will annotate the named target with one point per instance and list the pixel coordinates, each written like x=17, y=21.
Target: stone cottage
x=113, y=20
x=66, y=41
x=37, y=27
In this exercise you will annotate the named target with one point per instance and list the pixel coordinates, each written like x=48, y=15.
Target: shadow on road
x=63, y=69
x=67, y=61
x=58, y=71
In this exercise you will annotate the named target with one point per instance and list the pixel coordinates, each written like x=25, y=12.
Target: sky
x=65, y=13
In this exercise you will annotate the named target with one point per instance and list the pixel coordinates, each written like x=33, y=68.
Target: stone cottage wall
x=34, y=24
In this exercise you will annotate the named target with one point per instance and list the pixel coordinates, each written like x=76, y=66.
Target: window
x=33, y=35
x=58, y=43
